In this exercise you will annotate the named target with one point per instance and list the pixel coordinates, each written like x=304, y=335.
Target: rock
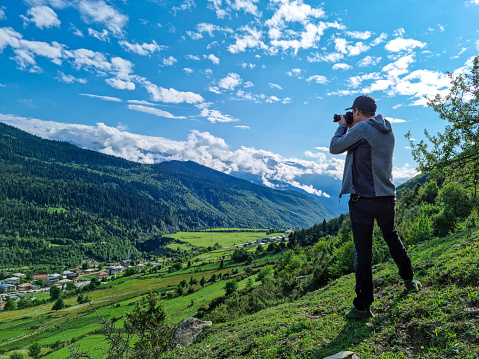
x=187, y=331
x=343, y=355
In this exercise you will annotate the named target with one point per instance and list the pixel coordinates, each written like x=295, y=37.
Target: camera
x=348, y=117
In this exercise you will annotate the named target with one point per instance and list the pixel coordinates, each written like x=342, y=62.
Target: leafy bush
x=421, y=231
x=455, y=198
x=343, y=260
x=429, y=192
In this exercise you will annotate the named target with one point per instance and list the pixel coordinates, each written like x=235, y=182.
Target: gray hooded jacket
x=368, y=167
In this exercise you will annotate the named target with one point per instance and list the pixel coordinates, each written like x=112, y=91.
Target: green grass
x=438, y=322
x=225, y=239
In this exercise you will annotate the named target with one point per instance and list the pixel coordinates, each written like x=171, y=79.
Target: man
x=369, y=142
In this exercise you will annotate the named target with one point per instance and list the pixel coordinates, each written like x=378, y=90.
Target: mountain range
x=54, y=193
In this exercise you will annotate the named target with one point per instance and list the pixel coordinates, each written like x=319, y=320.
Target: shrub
x=35, y=350
x=421, y=230
x=443, y=222
x=455, y=199
x=231, y=286
x=343, y=260
x=429, y=192
x=16, y=355
x=264, y=272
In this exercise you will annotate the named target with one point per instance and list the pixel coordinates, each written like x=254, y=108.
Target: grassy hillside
x=441, y=321
x=438, y=322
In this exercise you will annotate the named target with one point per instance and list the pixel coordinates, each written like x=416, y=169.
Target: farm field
x=77, y=323
x=225, y=239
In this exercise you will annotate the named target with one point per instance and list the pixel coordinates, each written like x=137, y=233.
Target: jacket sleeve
x=344, y=140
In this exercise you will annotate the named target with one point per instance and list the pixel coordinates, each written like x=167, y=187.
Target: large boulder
x=187, y=331
x=343, y=355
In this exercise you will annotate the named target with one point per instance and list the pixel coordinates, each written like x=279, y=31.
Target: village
x=18, y=286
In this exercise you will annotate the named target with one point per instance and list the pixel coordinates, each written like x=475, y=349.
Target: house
x=40, y=276
x=7, y=288
x=101, y=275
x=140, y=266
x=73, y=276
x=25, y=287
x=12, y=280
x=53, y=279
x=19, y=275
x=126, y=263
x=112, y=270
x=157, y=264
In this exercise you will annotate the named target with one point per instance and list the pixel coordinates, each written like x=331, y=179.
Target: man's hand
x=342, y=121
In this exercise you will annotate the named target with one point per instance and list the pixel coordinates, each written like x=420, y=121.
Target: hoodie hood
x=380, y=123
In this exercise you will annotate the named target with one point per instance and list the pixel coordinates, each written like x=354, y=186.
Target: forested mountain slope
x=86, y=203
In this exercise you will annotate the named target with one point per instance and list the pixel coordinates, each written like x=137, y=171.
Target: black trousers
x=363, y=211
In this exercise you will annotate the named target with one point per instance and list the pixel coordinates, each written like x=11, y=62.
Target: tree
x=457, y=149
x=35, y=350
x=202, y=281
x=55, y=292
x=16, y=355
x=231, y=286
x=59, y=304
x=85, y=265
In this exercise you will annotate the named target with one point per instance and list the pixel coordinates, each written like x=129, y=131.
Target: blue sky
x=241, y=86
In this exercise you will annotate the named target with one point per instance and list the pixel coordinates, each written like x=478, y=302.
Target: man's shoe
x=355, y=313
x=412, y=285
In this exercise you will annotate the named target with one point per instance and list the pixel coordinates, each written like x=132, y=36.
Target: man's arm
x=344, y=140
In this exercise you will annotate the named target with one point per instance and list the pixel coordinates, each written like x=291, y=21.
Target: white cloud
x=230, y=82
x=208, y=28
x=362, y=35
x=120, y=84
x=276, y=86
x=193, y=57
x=170, y=95
x=25, y=51
x=295, y=73
x=319, y=79
x=201, y=147
x=477, y=43
x=169, y=61
x=187, y=5
x=100, y=12
x=153, y=111
x=399, y=32
x=102, y=36
x=332, y=57
x=42, y=17
x=104, y=98
x=214, y=115
x=144, y=49
x=324, y=149
x=188, y=71
x=342, y=66
x=213, y=59
x=395, y=120
x=2, y=14
x=69, y=79
x=405, y=172
x=251, y=38
x=379, y=39
x=243, y=127
x=400, y=44
x=369, y=61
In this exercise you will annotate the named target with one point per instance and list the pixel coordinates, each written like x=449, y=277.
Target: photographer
x=369, y=141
